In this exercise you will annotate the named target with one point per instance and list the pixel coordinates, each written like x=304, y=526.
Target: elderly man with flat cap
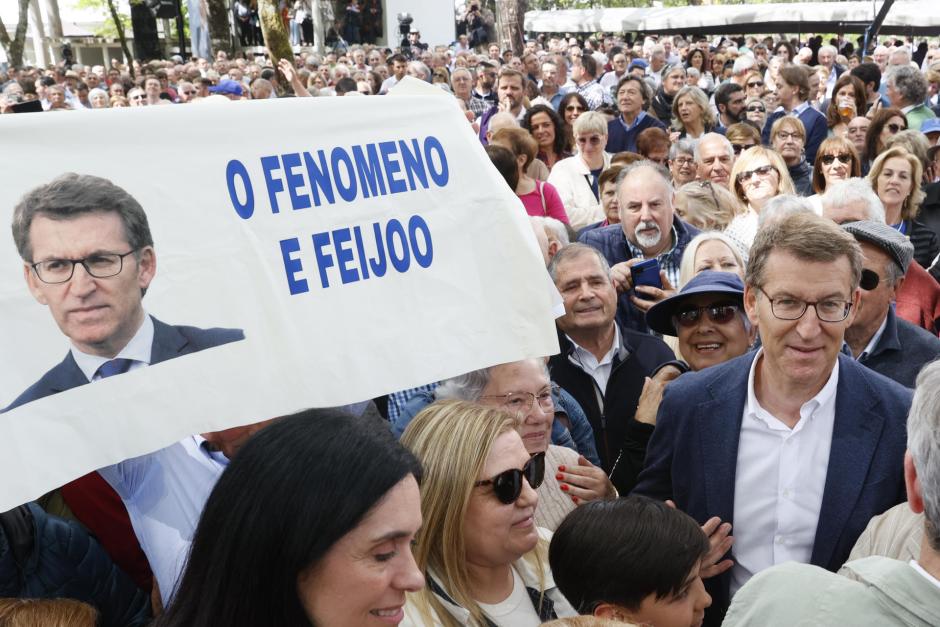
x=878, y=338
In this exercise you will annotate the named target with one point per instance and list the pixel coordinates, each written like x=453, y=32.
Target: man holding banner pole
x=88, y=256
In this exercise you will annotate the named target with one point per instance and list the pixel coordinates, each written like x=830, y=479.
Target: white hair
x=830, y=49
x=470, y=386
x=558, y=229
x=851, y=191
x=923, y=442
x=743, y=63
x=782, y=206
x=718, y=137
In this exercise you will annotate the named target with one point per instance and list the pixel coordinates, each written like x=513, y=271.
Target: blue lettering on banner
x=341, y=254
x=312, y=179
x=237, y=169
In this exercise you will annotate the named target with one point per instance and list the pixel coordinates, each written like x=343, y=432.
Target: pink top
x=544, y=201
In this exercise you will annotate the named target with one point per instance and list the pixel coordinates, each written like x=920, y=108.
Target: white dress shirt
x=779, y=481
x=586, y=361
x=164, y=492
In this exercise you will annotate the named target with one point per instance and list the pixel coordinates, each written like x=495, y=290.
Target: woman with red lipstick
x=312, y=523
x=484, y=558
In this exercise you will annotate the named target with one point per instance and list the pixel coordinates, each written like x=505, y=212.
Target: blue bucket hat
x=659, y=316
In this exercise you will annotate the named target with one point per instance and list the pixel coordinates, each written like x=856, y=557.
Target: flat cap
x=884, y=237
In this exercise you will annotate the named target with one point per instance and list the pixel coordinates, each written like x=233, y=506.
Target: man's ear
x=915, y=498
x=34, y=284
x=146, y=267
x=750, y=304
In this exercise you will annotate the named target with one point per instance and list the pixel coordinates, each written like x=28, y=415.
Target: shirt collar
x=800, y=108
x=825, y=396
x=874, y=340
x=636, y=252
x=908, y=108
x=608, y=357
x=138, y=349
x=636, y=121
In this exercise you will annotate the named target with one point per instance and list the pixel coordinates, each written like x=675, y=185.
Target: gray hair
x=743, y=63
x=923, y=443
x=590, y=122
x=910, y=83
x=851, y=191
x=573, y=251
x=712, y=137
x=71, y=195
x=913, y=141
x=558, y=229
x=830, y=49
x=470, y=386
x=683, y=146
x=782, y=206
x=630, y=169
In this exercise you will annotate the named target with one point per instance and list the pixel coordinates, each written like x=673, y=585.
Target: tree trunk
x=14, y=47
x=55, y=22
x=510, y=15
x=119, y=25
x=319, y=36
x=40, y=42
x=220, y=29
x=276, y=39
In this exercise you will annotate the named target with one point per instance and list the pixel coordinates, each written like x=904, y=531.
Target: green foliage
x=107, y=28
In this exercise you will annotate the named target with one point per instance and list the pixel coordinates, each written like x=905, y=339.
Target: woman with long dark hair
x=549, y=132
x=310, y=524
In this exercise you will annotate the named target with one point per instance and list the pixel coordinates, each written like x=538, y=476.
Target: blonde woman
x=758, y=175
x=705, y=206
x=710, y=250
x=895, y=176
x=484, y=559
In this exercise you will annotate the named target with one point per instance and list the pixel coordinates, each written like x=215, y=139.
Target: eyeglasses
x=683, y=161
x=895, y=128
x=507, y=485
x=719, y=313
x=758, y=109
x=870, y=280
x=785, y=135
x=764, y=170
x=842, y=157
x=137, y=97
x=520, y=403
x=594, y=140
x=756, y=84
x=99, y=265
x=740, y=147
x=786, y=308
x=573, y=108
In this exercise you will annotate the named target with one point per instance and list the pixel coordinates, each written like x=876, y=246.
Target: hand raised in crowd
x=623, y=281
x=652, y=394
x=287, y=69
x=585, y=482
x=720, y=541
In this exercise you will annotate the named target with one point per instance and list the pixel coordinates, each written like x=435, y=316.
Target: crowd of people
x=741, y=426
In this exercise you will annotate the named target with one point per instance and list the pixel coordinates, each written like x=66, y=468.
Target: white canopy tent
x=906, y=17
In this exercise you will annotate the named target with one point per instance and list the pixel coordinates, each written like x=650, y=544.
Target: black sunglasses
x=756, y=84
x=507, y=485
x=738, y=148
x=756, y=109
x=870, y=280
x=895, y=128
x=842, y=157
x=717, y=313
x=764, y=170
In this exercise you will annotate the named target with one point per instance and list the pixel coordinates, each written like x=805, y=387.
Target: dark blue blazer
x=620, y=139
x=168, y=342
x=815, y=125
x=692, y=456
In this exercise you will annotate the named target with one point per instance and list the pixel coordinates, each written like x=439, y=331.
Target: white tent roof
x=920, y=17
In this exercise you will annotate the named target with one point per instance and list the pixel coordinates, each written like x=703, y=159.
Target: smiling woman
x=484, y=558
x=311, y=524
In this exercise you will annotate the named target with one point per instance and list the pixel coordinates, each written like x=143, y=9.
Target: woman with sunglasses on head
x=570, y=107
x=895, y=176
x=549, y=132
x=577, y=178
x=705, y=206
x=484, y=558
x=758, y=175
x=884, y=124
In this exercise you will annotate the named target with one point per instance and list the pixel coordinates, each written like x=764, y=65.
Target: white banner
x=363, y=245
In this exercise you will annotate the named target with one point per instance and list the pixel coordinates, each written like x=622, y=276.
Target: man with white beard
x=648, y=229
